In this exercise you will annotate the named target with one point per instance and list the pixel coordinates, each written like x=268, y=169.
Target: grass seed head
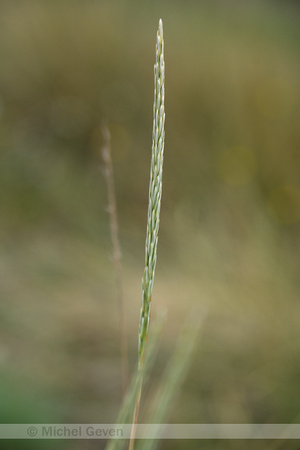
x=155, y=189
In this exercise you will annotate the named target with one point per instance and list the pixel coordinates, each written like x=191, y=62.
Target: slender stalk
x=174, y=374
x=129, y=401
x=155, y=192
x=117, y=255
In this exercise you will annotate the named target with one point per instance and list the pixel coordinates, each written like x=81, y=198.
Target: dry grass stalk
x=117, y=255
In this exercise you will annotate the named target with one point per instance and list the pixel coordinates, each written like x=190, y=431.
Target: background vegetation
x=229, y=236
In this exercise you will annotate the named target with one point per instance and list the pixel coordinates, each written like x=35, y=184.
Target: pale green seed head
x=155, y=189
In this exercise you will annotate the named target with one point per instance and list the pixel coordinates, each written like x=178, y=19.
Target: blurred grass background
x=229, y=239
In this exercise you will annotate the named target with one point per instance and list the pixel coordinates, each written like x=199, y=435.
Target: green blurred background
x=229, y=238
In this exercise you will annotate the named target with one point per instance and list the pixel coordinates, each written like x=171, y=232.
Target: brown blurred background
x=229, y=238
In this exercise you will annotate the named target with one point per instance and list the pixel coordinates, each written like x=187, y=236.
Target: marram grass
x=155, y=191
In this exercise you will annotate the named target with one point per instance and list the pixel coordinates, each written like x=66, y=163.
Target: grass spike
x=154, y=201
x=155, y=191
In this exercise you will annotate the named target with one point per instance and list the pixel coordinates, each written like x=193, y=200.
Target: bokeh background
x=229, y=237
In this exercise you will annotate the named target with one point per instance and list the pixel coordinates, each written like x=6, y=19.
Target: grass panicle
x=154, y=202
x=155, y=191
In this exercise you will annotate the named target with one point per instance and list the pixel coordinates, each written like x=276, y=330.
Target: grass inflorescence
x=155, y=191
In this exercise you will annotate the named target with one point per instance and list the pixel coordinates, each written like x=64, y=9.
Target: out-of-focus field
x=229, y=239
